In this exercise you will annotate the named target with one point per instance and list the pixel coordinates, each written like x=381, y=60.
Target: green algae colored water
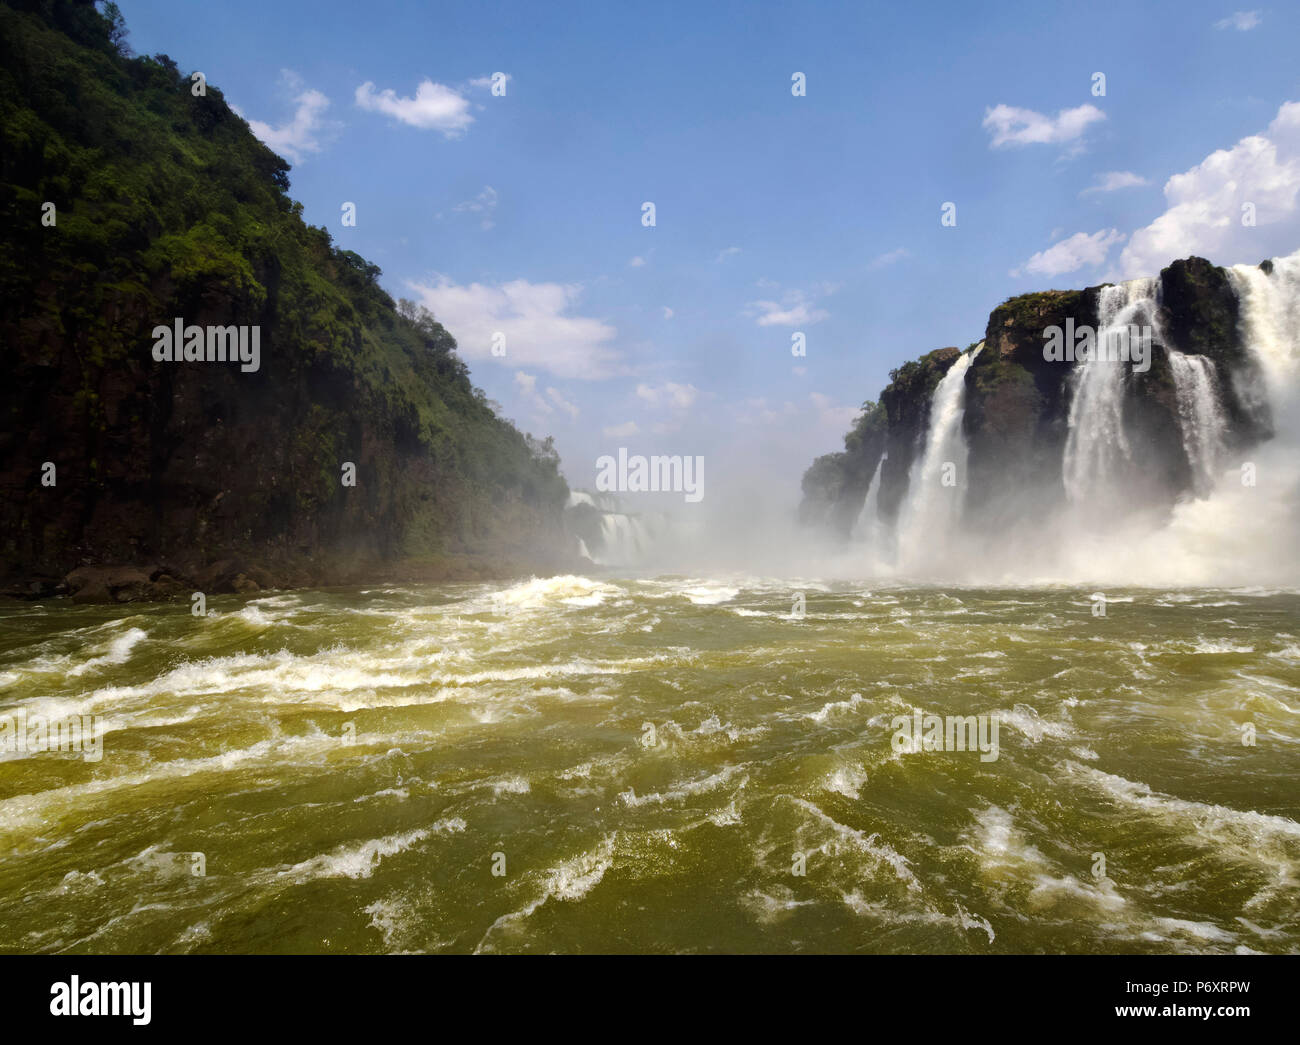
x=645, y=765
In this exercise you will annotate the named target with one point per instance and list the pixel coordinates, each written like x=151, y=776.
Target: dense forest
x=131, y=195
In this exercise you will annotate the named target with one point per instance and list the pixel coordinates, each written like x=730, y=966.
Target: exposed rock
x=101, y=584
x=1017, y=406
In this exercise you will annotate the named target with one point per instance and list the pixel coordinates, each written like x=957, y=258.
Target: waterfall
x=937, y=482
x=1248, y=528
x=1097, y=451
x=1270, y=325
x=624, y=540
x=867, y=526
x=608, y=535
x=1200, y=417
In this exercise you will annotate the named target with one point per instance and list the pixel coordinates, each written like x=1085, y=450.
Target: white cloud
x=668, y=312
x=303, y=133
x=760, y=411
x=485, y=203
x=1071, y=254
x=562, y=403
x=727, y=252
x=433, y=107
x=670, y=395
x=536, y=319
x=829, y=415
x=793, y=310
x=1013, y=126
x=1112, y=181
x=1242, y=21
x=620, y=431
x=636, y=262
x=543, y=405
x=1204, y=205
x=889, y=257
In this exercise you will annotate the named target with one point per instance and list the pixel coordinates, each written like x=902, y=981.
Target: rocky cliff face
x=355, y=445
x=1017, y=406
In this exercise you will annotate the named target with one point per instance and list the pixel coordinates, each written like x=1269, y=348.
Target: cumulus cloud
x=537, y=320
x=305, y=130
x=1242, y=21
x=1012, y=126
x=1071, y=254
x=670, y=395
x=1204, y=206
x=434, y=106
x=620, y=431
x=727, y=252
x=636, y=262
x=793, y=310
x=668, y=312
x=1112, y=181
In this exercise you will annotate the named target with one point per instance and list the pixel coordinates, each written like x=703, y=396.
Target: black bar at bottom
x=612, y=994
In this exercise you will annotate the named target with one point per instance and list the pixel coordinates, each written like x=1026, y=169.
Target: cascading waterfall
x=1200, y=417
x=624, y=540
x=867, y=526
x=1097, y=451
x=1270, y=325
x=931, y=514
x=1247, y=529
x=608, y=535
x=1242, y=526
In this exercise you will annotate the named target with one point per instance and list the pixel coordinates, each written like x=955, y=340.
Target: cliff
x=1017, y=406
x=196, y=472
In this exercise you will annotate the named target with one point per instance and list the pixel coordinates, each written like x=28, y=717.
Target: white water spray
x=1247, y=530
x=1097, y=450
x=1200, y=417
x=928, y=524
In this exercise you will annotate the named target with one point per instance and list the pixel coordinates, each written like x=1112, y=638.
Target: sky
x=519, y=208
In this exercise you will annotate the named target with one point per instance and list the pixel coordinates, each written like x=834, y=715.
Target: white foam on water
x=361, y=860
x=847, y=781
x=546, y=592
x=118, y=652
x=706, y=595
x=836, y=707
x=870, y=845
x=686, y=790
x=772, y=906
x=568, y=881
x=889, y=913
x=511, y=785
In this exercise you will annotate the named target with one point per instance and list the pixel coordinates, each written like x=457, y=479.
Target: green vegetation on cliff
x=165, y=205
x=1016, y=410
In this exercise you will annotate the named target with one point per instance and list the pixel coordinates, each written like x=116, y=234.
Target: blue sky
x=522, y=212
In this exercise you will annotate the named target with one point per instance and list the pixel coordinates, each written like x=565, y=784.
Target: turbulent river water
x=646, y=764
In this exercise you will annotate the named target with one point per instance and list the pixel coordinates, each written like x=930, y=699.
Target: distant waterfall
x=608, y=535
x=1200, y=417
x=937, y=483
x=624, y=542
x=1097, y=451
